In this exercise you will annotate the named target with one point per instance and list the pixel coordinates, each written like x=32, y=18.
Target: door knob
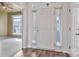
x=77, y=33
x=37, y=30
x=78, y=29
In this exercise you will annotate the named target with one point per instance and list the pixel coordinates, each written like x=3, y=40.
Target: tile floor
x=9, y=46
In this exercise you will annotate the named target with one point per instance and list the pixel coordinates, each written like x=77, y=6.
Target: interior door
x=45, y=28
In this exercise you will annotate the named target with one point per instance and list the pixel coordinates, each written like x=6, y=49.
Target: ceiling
x=12, y=6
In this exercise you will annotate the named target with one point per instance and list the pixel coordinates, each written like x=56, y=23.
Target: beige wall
x=9, y=23
x=6, y=23
x=3, y=23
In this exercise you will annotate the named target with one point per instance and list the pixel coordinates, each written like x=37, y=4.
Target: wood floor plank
x=30, y=52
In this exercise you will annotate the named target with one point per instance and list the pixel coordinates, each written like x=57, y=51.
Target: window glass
x=34, y=40
x=17, y=23
x=58, y=28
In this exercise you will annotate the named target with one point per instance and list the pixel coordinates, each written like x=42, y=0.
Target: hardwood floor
x=30, y=52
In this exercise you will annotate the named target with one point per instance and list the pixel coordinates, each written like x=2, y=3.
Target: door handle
x=77, y=33
x=37, y=30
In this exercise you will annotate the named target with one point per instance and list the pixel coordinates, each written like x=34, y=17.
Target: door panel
x=46, y=28
x=77, y=29
x=75, y=32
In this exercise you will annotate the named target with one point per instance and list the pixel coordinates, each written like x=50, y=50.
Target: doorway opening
x=10, y=29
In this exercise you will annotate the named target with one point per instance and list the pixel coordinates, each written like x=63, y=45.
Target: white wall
x=74, y=26
x=41, y=38
x=27, y=25
x=66, y=24
x=65, y=20
x=38, y=5
x=3, y=23
x=27, y=38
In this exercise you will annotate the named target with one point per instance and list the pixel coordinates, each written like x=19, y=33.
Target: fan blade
x=2, y=3
x=9, y=7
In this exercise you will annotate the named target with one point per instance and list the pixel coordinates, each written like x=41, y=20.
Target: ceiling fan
x=5, y=5
x=9, y=7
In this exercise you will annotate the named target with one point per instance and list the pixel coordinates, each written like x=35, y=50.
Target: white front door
x=75, y=32
x=46, y=28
